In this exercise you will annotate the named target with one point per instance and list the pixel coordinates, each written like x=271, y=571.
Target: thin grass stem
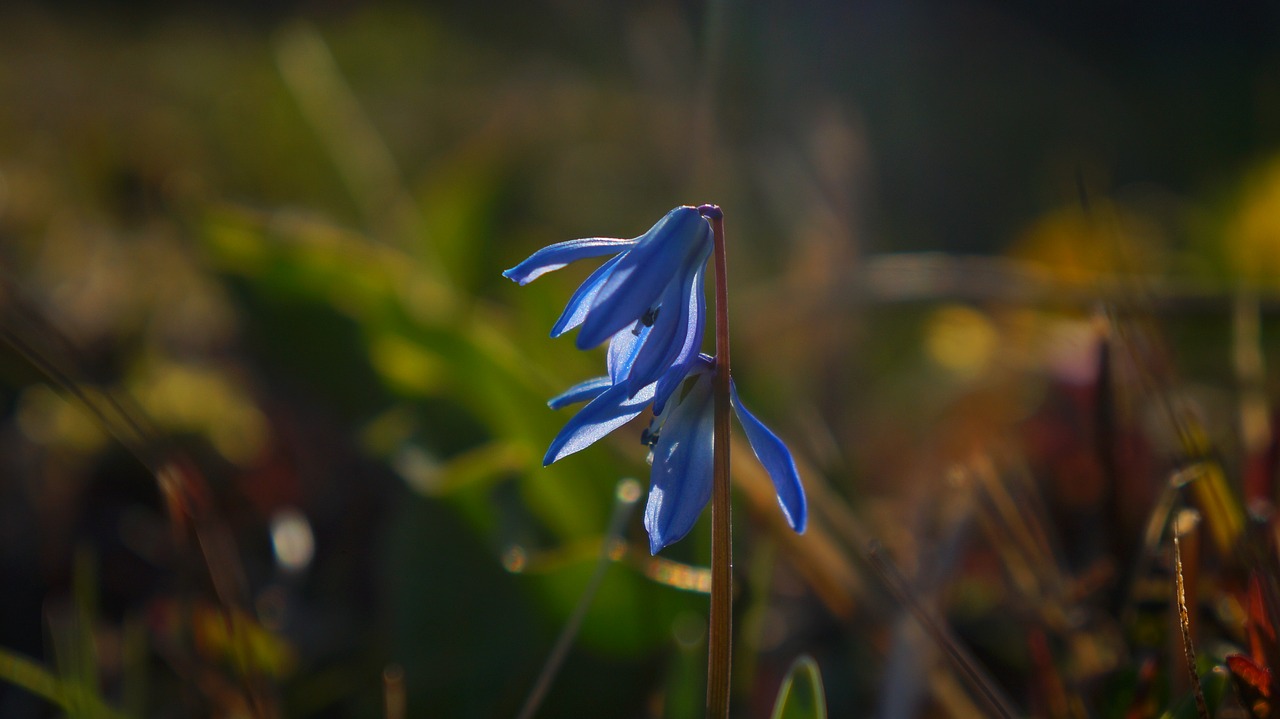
x=626, y=496
x=997, y=704
x=1184, y=624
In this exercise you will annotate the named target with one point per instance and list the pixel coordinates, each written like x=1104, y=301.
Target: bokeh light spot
x=515, y=559
x=628, y=491
x=960, y=339
x=292, y=540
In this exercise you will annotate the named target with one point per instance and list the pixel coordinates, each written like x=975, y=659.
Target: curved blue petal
x=680, y=482
x=607, y=412
x=677, y=332
x=677, y=363
x=581, y=392
x=671, y=380
x=662, y=343
x=576, y=310
x=622, y=351
x=777, y=461
x=553, y=257
x=638, y=281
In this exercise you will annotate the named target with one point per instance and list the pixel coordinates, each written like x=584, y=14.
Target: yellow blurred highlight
x=960, y=339
x=238, y=247
x=1253, y=237
x=616, y=550
x=239, y=639
x=384, y=433
x=521, y=560
x=44, y=417
x=678, y=575
x=1079, y=250
x=204, y=400
x=1185, y=522
x=1220, y=508
x=406, y=366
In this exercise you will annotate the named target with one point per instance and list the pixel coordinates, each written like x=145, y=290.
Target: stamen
x=650, y=316
x=649, y=436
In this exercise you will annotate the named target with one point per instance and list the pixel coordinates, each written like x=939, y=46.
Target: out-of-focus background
x=1003, y=275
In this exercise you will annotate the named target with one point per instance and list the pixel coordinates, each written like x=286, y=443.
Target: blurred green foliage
x=274, y=239
x=801, y=695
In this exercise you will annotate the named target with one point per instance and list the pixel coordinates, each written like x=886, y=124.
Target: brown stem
x=720, y=637
x=1184, y=623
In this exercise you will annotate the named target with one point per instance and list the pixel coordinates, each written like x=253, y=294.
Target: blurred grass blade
x=27, y=674
x=961, y=660
x=1215, y=684
x=394, y=700
x=364, y=161
x=801, y=695
x=134, y=675
x=1223, y=512
x=84, y=651
x=76, y=700
x=626, y=496
x=1221, y=508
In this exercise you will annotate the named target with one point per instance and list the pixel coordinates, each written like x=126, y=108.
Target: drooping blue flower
x=647, y=300
x=652, y=287
x=682, y=438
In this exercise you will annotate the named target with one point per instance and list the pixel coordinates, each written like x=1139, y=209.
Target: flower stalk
x=720, y=636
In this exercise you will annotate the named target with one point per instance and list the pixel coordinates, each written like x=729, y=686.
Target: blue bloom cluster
x=648, y=302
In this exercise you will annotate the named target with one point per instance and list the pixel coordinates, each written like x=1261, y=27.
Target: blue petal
x=638, y=281
x=677, y=331
x=777, y=461
x=581, y=392
x=661, y=345
x=674, y=378
x=680, y=482
x=553, y=257
x=622, y=352
x=605, y=413
x=576, y=311
x=693, y=321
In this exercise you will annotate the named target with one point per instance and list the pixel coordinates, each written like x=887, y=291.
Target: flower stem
x=720, y=637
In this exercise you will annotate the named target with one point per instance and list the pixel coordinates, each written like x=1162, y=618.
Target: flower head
x=651, y=288
x=647, y=300
x=682, y=438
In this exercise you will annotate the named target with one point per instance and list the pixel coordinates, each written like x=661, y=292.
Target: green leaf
x=801, y=696
x=22, y=672
x=76, y=698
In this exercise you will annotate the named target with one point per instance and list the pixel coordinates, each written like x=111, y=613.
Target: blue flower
x=682, y=438
x=647, y=300
x=652, y=289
